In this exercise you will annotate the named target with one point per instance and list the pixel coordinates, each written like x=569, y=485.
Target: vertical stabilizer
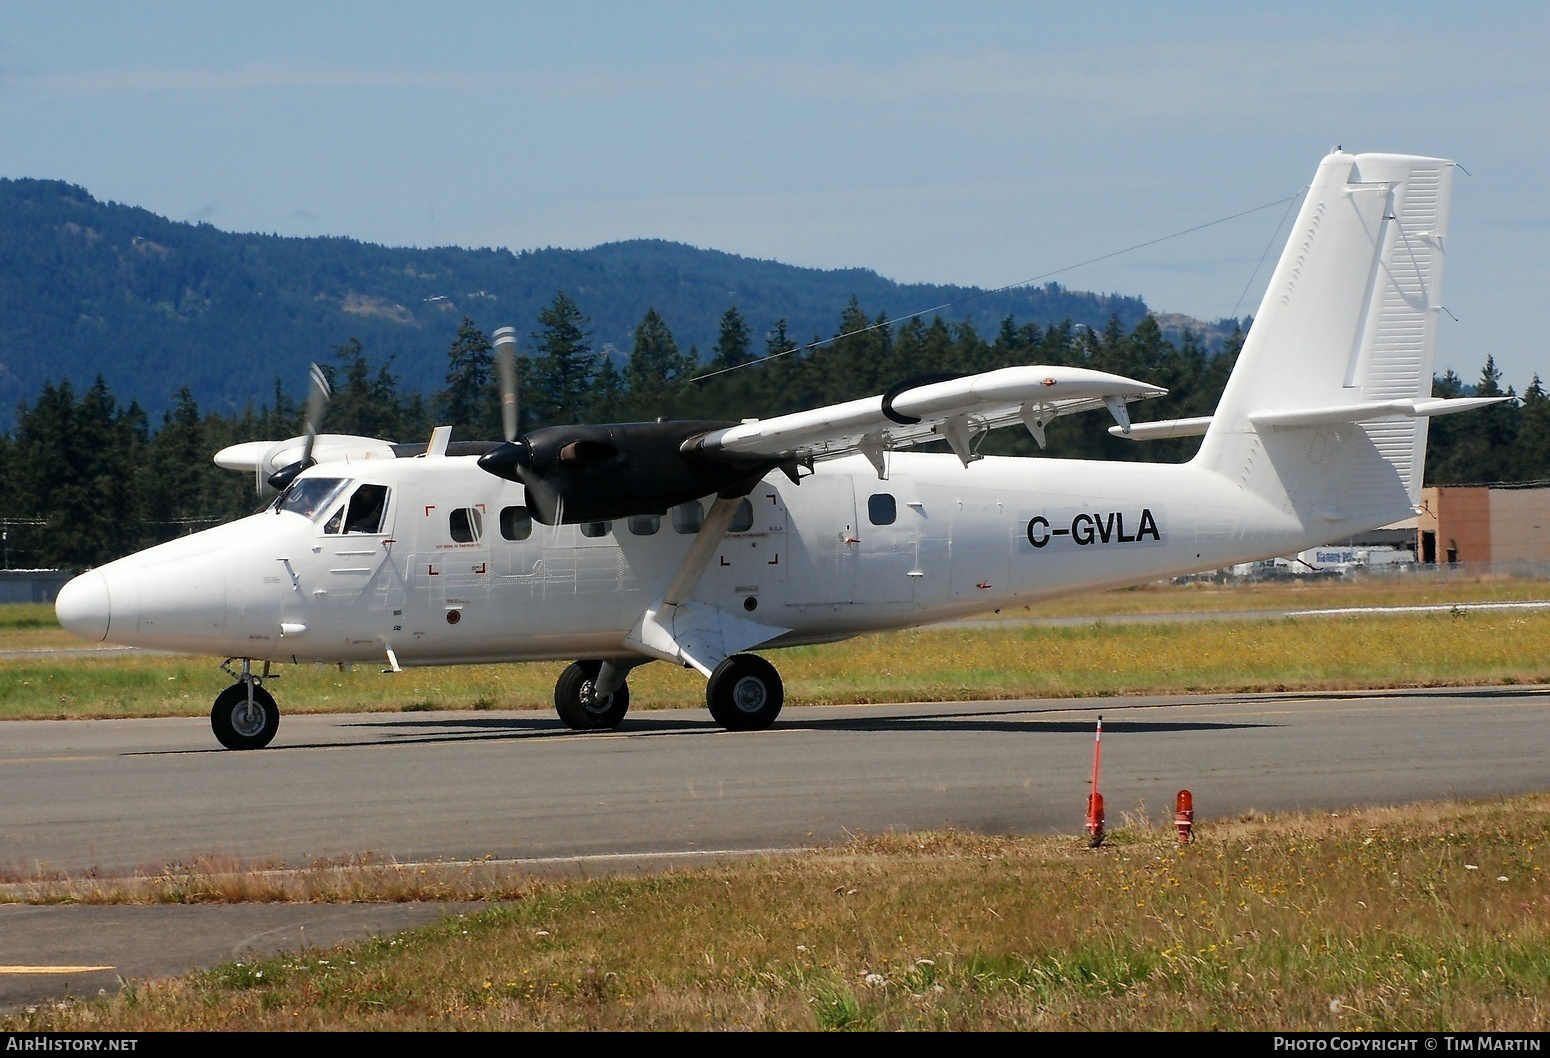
x=1319, y=415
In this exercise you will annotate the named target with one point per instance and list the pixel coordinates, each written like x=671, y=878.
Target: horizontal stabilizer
x=1163, y=428
x=1381, y=409
x=1386, y=409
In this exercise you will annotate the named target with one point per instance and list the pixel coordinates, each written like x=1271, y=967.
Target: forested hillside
x=91, y=289
x=132, y=348
x=85, y=478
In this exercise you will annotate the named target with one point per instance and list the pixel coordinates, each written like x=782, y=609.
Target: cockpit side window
x=367, y=507
x=308, y=496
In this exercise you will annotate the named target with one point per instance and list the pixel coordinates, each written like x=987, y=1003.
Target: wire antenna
x=1021, y=283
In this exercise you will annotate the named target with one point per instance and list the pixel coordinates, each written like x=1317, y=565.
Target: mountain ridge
x=91, y=288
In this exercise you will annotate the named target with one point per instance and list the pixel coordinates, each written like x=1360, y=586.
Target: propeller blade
x=317, y=401
x=506, y=363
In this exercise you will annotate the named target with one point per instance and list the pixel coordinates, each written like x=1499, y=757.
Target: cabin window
x=367, y=507
x=882, y=509
x=742, y=518
x=593, y=530
x=644, y=524
x=688, y=517
x=516, y=523
x=466, y=524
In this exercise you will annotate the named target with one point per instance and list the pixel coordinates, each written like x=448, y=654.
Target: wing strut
x=694, y=634
x=705, y=543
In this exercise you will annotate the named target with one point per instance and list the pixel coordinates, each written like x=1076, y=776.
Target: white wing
x=956, y=410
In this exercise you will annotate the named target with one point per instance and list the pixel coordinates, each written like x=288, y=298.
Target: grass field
x=1428, y=918
x=1008, y=656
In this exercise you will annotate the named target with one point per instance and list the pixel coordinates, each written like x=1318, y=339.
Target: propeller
x=506, y=364
x=597, y=472
x=516, y=455
x=317, y=402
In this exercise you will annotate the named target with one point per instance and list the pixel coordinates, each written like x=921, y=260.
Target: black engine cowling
x=597, y=473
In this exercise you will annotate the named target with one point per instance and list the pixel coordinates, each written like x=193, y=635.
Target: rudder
x=1325, y=413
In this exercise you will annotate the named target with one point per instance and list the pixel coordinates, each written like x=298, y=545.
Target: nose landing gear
x=245, y=715
x=584, y=701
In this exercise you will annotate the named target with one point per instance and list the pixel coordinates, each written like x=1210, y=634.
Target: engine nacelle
x=597, y=473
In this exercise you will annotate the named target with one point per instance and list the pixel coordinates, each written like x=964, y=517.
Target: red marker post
x=1184, y=816
x=1095, y=799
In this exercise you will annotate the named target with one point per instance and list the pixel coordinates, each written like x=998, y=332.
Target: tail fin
x=1325, y=413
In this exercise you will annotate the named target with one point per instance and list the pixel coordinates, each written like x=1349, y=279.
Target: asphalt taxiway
x=121, y=797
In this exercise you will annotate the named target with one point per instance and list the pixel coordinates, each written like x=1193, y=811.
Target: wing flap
x=948, y=410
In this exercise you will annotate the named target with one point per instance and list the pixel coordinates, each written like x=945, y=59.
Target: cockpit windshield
x=308, y=496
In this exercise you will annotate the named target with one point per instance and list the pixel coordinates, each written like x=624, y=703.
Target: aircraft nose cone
x=82, y=606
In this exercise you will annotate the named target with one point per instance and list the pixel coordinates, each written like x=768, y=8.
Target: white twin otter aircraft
x=695, y=542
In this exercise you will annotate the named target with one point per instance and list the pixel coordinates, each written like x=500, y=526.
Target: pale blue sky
x=975, y=142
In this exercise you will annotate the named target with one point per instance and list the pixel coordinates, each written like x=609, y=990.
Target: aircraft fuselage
x=456, y=571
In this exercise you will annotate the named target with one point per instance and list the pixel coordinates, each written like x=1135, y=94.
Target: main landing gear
x=744, y=694
x=245, y=715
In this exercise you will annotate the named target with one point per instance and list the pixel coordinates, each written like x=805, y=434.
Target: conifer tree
x=565, y=366
x=363, y=404
x=732, y=344
x=471, y=402
x=655, y=365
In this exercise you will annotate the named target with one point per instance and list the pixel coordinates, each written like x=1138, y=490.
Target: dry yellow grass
x=1386, y=920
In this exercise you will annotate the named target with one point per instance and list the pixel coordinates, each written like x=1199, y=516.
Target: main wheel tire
x=576, y=700
x=745, y=693
x=238, y=727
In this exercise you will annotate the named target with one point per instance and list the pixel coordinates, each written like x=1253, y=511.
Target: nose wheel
x=244, y=721
x=579, y=704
